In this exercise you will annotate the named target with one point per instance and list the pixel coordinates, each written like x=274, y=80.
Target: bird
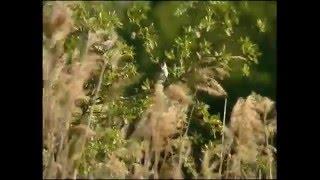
x=164, y=72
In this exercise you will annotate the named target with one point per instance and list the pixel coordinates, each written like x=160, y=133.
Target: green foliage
x=94, y=17
x=214, y=122
x=182, y=9
x=261, y=25
x=249, y=49
x=137, y=12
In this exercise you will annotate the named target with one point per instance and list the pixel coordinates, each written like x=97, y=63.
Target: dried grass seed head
x=171, y=171
x=82, y=129
x=178, y=92
x=206, y=82
x=116, y=168
x=58, y=24
x=248, y=129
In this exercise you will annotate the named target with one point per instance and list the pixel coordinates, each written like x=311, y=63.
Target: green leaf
x=170, y=55
x=246, y=70
x=261, y=25
x=146, y=85
x=183, y=8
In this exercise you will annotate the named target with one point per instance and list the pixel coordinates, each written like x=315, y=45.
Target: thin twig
x=146, y=154
x=191, y=113
x=260, y=177
x=75, y=172
x=165, y=155
x=186, y=132
x=227, y=165
x=267, y=144
x=97, y=92
x=224, y=123
x=156, y=161
x=238, y=57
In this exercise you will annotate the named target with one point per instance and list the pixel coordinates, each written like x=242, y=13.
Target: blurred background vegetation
x=262, y=79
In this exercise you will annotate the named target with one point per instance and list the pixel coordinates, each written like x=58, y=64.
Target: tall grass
x=159, y=144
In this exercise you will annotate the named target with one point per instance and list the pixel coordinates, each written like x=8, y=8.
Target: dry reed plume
x=252, y=132
x=62, y=88
x=163, y=119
